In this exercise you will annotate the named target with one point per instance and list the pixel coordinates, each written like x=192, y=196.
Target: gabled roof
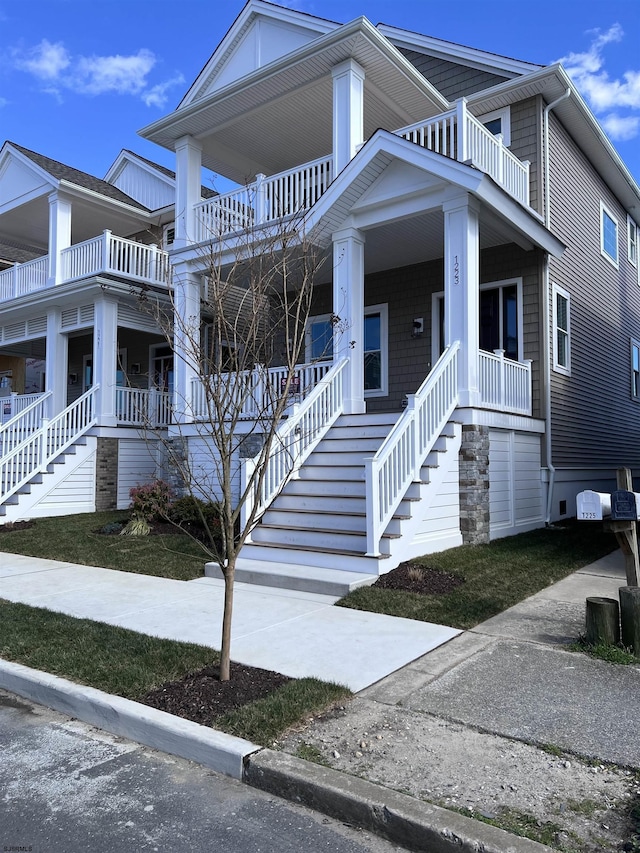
x=126, y=155
x=61, y=172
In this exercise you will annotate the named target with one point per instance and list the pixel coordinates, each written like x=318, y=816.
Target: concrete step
x=333, y=582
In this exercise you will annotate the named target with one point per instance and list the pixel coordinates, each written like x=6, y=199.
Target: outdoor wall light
x=73, y=379
x=418, y=327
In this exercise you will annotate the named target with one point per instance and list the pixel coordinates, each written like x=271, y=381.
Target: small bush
x=190, y=511
x=150, y=501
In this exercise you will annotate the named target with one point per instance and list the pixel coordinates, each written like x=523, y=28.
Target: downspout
x=547, y=312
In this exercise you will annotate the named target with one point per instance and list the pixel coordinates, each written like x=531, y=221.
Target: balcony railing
x=106, y=253
x=505, y=385
x=143, y=407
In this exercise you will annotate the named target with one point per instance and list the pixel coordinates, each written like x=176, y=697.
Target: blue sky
x=78, y=78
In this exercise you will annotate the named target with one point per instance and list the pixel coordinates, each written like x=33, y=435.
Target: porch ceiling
x=281, y=115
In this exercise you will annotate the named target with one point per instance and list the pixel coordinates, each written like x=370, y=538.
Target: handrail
x=23, y=423
x=399, y=459
x=294, y=440
x=505, y=384
x=143, y=406
x=41, y=447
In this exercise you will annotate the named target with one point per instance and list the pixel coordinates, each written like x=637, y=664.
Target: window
x=632, y=237
x=498, y=122
x=635, y=369
x=561, y=331
x=319, y=346
x=608, y=235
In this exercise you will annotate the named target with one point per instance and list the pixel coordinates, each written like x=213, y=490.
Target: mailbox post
x=624, y=518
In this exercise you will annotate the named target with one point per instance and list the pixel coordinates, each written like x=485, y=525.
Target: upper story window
x=635, y=369
x=632, y=241
x=498, y=122
x=608, y=235
x=561, y=331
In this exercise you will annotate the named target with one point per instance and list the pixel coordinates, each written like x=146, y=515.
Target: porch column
x=188, y=189
x=56, y=362
x=59, y=235
x=462, y=292
x=348, y=308
x=348, y=112
x=105, y=357
x=186, y=340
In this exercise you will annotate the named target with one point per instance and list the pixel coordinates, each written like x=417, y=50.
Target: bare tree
x=244, y=356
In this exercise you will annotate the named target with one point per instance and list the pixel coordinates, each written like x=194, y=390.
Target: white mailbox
x=593, y=506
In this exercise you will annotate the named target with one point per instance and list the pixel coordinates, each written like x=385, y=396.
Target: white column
x=188, y=189
x=348, y=112
x=462, y=292
x=56, y=362
x=186, y=340
x=105, y=358
x=348, y=306
x=59, y=234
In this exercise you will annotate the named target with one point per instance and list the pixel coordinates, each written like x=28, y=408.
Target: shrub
x=191, y=511
x=150, y=501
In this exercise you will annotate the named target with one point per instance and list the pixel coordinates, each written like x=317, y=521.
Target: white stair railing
x=399, y=459
x=294, y=440
x=25, y=422
x=41, y=447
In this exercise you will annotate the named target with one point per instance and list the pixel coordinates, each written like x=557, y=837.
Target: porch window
x=498, y=123
x=632, y=239
x=561, y=331
x=499, y=314
x=608, y=235
x=319, y=346
x=635, y=369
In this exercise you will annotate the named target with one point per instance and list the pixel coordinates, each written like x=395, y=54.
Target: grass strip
x=497, y=575
x=73, y=539
x=125, y=663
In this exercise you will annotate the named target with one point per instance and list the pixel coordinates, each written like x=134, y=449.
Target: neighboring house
x=484, y=234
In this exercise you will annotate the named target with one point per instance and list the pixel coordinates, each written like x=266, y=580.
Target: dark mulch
x=413, y=577
x=15, y=525
x=202, y=697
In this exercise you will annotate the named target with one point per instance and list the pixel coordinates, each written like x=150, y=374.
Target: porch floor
x=296, y=633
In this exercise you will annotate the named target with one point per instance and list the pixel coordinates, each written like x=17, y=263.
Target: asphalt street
x=67, y=787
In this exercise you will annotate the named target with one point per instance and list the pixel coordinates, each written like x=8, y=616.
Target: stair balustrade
x=294, y=440
x=399, y=459
x=55, y=435
x=32, y=409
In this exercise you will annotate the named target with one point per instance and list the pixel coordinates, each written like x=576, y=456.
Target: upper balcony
x=456, y=134
x=105, y=254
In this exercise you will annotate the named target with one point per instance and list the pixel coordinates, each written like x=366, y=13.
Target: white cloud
x=604, y=94
x=54, y=66
x=3, y=102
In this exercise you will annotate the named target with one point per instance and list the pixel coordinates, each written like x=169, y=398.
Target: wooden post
x=630, y=613
x=626, y=533
x=602, y=621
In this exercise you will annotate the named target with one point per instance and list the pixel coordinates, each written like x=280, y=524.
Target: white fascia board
x=10, y=152
x=252, y=10
x=324, y=43
x=470, y=56
x=104, y=201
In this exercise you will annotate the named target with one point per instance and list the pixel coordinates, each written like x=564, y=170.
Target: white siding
x=516, y=494
x=74, y=492
x=137, y=464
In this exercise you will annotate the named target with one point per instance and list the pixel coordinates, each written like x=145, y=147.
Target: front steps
x=313, y=536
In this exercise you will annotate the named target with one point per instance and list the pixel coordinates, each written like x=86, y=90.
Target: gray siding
x=526, y=143
x=594, y=418
x=453, y=80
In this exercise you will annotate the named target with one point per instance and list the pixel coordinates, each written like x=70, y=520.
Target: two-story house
x=483, y=243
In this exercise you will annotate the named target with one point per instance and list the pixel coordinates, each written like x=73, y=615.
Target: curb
x=219, y=751
x=404, y=820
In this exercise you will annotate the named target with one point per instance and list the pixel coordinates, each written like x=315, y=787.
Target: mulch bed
x=15, y=525
x=202, y=697
x=414, y=577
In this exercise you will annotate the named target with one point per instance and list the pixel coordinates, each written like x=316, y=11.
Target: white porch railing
x=295, y=439
x=459, y=135
x=23, y=278
x=505, y=384
x=28, y=413
x=143, y=407
x=53, y=437
x=399, y=459
x=263, y=201
x=253, y=391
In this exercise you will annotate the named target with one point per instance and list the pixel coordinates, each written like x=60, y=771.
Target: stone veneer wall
x=474, y=484
x=106, y=474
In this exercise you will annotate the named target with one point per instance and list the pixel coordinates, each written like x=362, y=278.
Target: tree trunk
x=602, y=621
x=630, y=617
x=225, y=650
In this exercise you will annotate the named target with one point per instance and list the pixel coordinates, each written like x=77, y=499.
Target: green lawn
x=73, y=539
x=497, y=575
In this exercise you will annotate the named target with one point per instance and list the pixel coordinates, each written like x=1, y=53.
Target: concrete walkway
x=296, y=633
